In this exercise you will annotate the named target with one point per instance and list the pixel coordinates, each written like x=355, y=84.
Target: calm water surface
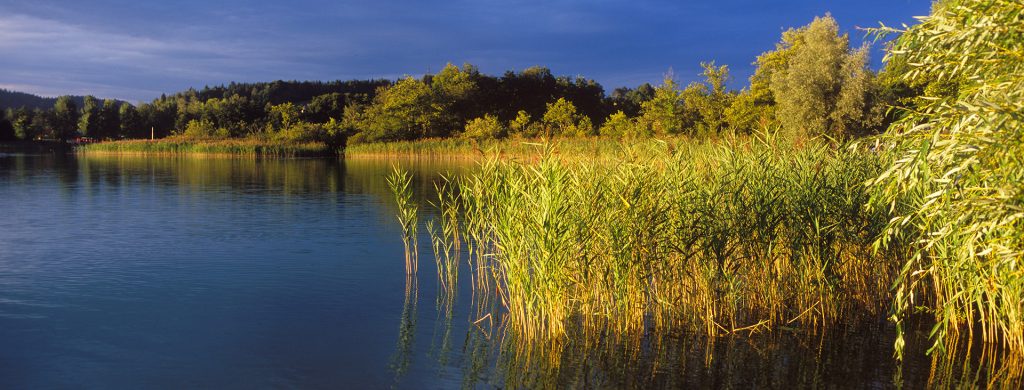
x=130, y=272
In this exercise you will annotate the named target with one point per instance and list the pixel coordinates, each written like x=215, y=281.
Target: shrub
x=486, y=128
x=617, y=125
x=204, y=129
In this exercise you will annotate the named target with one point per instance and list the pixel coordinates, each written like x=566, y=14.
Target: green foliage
x=663, y=113
x=109, y=120
x=820, y=84
x=89, y=121
x=65, y=118
x=748, y=112
x=708, y=102
x=283, y=115
x=618, y=125
x=629, y=100
x=561, y=119
x=131, y=122
x=6, y=128
x=403, y=111
x=333, y=133
x=325, y=107
x=204, y=129
x=954, y=189
x=454, y=94
x=754, y=107
x=43, y=124
x=487, y=127
x=21, y=120
x=521, y=126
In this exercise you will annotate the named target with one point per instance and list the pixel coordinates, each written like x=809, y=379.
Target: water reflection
x=406, y=329
x=854, y=357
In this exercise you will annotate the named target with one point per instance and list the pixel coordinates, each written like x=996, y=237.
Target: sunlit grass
x=514, y=148
x=181, y=146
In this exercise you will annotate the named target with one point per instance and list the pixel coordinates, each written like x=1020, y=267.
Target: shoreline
x=227, y=147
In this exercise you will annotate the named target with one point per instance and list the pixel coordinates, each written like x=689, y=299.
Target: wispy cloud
x=44, y=55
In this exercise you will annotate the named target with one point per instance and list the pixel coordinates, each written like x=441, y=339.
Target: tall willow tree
x=956, y=187
x=821, y=86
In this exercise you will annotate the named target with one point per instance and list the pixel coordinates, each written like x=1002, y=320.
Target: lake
x=203, y=272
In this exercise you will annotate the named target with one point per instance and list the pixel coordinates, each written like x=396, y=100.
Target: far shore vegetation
x=813, y=84
x=821, y=192
x=229, y=146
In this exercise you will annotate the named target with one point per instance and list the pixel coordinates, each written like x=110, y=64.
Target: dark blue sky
x=136, y=50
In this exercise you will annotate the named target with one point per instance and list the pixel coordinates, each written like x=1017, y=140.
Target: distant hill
x=15, y=99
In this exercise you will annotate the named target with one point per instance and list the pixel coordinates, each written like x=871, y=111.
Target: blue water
x=194, y=273
x=131, y=272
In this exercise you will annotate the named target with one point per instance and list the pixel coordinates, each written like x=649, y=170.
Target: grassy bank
x=180, y=146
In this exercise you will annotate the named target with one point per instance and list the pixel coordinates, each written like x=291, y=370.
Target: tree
x=109, y=121
x=663, y=113
x=65, y=118
x=617, y=125
x=131, y=122
x=629, y=100
x=324, y=107
x=754, y=107
x=487, y=127
x=748, y=112
x=42, y=124
x=89, y=122
x=520, y=126
x=561, y=118
x=454, y=97
x=403, y=111
x=819, y=83
x=21, y=119
x=204, y=129
x=706, y=103
x=954, y=187
x=6, y=128
x=283, y=116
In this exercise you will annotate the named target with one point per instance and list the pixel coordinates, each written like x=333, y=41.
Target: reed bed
x=714, y=238
x=516, y=148
x=182, y=146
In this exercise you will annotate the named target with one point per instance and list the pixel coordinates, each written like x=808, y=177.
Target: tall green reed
x=718, y=238
x=400, y=183
x=445, y=239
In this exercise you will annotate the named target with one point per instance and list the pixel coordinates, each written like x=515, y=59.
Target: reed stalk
x=400, y=183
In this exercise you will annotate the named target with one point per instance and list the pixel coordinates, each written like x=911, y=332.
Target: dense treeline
x=13, y=99
x=812, y=84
